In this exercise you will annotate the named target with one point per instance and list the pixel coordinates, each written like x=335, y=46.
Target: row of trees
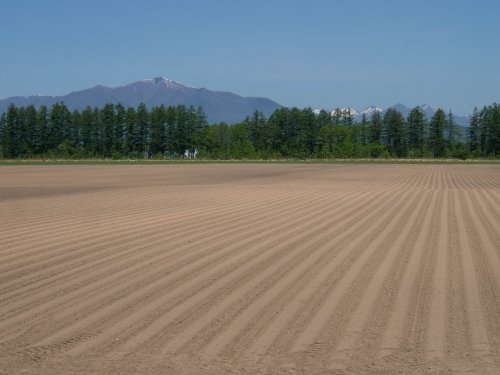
x=484, y=131
x=111, y=131
x=118, y=132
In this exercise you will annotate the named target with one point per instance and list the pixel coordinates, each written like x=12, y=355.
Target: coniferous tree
x=158, y=120
x=32, y=134
x=22, y=132
x=324, y=118
x=43, y=126
x=141, y=136
x=201, y=122
x=75, y=136
x=416, y=131
x=474, y=133
x=347, y=117
x=364, y=130
x=290, y=132
x=394, y=133
x=451, y=131
x=89, y=133
x=3, y=124
x=119, y=130
x=256, y=125
x=376, y=127
x=10, y=144
x=309, y=126
x=436, y=134
x=107, y=123
x=59, y=119
x=337, y=116
x=130, y=131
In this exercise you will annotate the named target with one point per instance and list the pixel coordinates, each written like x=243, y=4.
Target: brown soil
x=210, y=269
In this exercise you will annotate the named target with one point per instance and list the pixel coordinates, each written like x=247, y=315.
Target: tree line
x=114, y=131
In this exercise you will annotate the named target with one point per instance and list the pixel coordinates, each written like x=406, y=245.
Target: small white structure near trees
x=190, y=155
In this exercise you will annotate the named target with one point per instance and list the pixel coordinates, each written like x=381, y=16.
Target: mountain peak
x=368, y=111
x=218, y=106
x=161, y=81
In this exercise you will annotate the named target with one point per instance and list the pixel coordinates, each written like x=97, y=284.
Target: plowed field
x=209, y=269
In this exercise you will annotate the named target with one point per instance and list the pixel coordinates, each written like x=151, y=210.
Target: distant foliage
x=114, y=131
x=484, y=132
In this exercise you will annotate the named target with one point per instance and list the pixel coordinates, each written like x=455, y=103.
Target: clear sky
x=322, y=54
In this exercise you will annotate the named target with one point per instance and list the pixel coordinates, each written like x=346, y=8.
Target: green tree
x=59, y=121
x=310, y=127
x=436, y=133
x=416, y=131
x=10, y=141
x=376, y=127
x=257, y=129
x=32, y=134
x=141, y=133
x=107, y=124
x=394, y=133
x=119, y=137
x=130, y=132
x=158, y=120
x=474, y=133
x=363, y=134
x=3, y=125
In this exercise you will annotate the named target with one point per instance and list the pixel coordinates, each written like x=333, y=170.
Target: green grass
x=17, y=162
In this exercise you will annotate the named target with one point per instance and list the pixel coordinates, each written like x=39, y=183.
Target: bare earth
x=210, y=269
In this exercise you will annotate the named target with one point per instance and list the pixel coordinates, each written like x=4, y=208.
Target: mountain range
x=429, y=111
x=219, y=106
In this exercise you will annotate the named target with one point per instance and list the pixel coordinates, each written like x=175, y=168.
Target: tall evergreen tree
x=256, y=125
x=130, y=132
x=474, y=133
x=158, y=120
x=75, y=133
x=107, y=124
x=363, y=139
x=119, y=130
x=394, y=133
x=32, y=133
x=141, y=136
x=22, y=133
x=451, y=130
x=59, y=120
x=43, y=126
x=310, y=127
x=89, y=133
x=337, y=116
x=3, y=125
x=376, y=127
x=416, y=131
x=436, y=133
x=10, y=144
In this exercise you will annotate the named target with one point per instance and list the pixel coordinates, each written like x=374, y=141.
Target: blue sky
x=321, y=54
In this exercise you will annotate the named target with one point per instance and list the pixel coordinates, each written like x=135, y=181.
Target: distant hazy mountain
x=462, y=121
x=430, y=111
x=219, y=106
